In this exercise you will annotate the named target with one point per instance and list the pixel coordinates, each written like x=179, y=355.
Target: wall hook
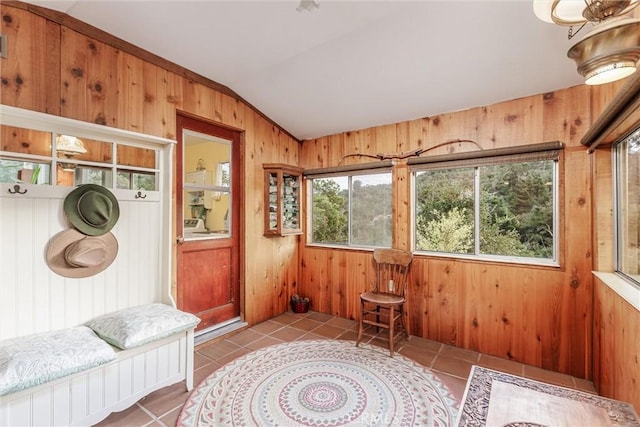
x=140, y=195
x=16, y=189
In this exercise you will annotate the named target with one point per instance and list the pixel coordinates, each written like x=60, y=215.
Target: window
x=50, y=158
x=627, y=206
x=501, y=207
x=351, y=210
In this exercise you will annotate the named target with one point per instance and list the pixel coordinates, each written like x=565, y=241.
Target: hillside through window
x=502, y=210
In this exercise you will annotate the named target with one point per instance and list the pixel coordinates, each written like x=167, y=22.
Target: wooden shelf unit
x=282, y=199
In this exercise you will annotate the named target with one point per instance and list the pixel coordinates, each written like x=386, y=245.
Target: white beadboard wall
x=33, y=298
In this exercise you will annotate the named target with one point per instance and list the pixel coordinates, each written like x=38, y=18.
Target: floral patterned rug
x=320, y=383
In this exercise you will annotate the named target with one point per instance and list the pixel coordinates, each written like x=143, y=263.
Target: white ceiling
x=348, y=65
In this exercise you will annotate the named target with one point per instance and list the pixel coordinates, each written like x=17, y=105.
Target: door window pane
x=207, y=185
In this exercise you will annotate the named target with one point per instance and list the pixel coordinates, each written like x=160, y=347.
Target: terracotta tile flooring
x=452, y=364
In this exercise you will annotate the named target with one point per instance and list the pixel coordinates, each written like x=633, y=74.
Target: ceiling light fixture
x=611, y=49
x=69, y=146
x=307, y=5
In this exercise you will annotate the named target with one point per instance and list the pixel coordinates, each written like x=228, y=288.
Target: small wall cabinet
x=282, y=199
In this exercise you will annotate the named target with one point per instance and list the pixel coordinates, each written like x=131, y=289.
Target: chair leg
x=360, y=326
x=391, y=333
x=404, y=327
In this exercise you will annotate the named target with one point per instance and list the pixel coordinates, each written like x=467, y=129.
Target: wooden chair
x=386, y=300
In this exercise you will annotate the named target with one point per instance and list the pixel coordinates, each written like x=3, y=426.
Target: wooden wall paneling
x=451, y=126
x=514, y=122
x=567, y=115
x=131, y=93
x=601, y=362
x=234, y=112
x=52, y=69
x=355, y=143
x=154, y=88
x=314, y=277
x=578, y=259
x=339, y=265
x=418, y=314
x=29, y=76
x=258, y=255
x=416, y=134
x=532, y=294
x=617, y=348
x=468, y=301
x=548, y=321
x=89, y=73
x=401, y=233
x=26, y=141
x=161, y=95
x=401, y=214
x=443, y=283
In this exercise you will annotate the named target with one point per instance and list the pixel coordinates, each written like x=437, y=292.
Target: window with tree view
x=493, y=209
x=351, y=210
x=627, y=164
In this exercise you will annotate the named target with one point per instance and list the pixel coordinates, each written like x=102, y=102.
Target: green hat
x=92, y=209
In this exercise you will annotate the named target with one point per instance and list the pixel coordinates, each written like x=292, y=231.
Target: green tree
x=330, y=212
x=448, y=231
x=370, y=213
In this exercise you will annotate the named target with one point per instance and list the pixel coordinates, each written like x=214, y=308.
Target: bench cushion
x=135, y=326
x=35, y=359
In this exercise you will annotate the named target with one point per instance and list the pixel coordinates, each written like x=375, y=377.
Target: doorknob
x=179, y=240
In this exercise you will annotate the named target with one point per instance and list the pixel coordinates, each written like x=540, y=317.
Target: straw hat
x=92, y=209
x=72, y=254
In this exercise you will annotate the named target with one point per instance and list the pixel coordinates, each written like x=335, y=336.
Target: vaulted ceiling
x=347, y=65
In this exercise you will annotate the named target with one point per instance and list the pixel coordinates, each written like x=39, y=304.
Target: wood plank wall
x=616, y=347
x=541, y=316
x=53, y=66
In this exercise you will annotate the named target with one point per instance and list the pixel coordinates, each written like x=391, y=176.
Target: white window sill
x=626, y=290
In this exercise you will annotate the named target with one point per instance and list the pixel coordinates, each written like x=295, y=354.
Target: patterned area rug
x=320, y=383
x=495, y=398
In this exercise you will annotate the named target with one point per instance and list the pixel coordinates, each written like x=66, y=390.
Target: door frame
x=237, y=136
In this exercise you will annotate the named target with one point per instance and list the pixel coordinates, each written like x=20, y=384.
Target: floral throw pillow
x=38, y=358
x=135, y=326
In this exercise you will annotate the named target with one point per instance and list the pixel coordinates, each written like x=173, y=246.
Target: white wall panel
x=36, y=299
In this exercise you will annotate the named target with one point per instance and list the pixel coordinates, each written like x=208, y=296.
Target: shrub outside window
x=351, y=210
x=498, y=208
x=627, y=183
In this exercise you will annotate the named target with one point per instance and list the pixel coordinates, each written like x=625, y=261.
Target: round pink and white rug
x=320, y=383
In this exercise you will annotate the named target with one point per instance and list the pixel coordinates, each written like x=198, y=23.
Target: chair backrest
x=392, y=268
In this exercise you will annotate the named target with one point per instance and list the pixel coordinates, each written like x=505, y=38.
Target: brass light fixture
x=69, y=146
x=611, y=49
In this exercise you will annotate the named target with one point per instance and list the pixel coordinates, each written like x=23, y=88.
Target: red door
x=208, y=226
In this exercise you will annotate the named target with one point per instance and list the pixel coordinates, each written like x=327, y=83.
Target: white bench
x=89, y=396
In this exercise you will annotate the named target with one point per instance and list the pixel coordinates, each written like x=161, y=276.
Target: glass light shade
x=69, y=145
x=610, y=73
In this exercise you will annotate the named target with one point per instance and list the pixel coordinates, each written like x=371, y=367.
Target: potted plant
x=299, y=304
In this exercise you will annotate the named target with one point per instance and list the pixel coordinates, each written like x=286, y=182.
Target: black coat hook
x=16, y=189
x=140, y=195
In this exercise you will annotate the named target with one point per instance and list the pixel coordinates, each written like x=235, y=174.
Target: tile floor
x=452, y=364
